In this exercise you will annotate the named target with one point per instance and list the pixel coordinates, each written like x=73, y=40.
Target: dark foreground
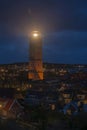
x=53, y=121
x=12, y=125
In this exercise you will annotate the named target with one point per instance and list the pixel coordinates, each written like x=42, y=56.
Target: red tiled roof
x=8, y=104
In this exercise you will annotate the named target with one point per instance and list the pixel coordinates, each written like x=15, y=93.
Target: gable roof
x=8, y=103
x=67, y=106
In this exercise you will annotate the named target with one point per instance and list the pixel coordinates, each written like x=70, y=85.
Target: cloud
x=13, y=49
x=63, y=22
x=48, y=15
x=66, y=47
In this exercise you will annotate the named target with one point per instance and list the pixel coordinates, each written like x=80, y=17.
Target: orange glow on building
x=35, y=57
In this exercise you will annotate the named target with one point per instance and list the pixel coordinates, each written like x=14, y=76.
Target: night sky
x=63, y=24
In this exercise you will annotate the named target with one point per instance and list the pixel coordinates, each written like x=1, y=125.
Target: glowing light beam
x=35, y=34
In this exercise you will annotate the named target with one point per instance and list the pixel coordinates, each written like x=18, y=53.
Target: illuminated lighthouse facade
x=35, y=57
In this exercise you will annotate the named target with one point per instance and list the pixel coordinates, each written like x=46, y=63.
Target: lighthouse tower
x=35, y=57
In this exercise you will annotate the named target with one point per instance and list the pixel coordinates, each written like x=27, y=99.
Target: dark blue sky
x=62, y=22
